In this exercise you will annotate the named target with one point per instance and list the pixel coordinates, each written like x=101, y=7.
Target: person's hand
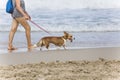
x=27, y=17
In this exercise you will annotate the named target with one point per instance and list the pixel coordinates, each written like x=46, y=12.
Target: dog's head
x=68, y=36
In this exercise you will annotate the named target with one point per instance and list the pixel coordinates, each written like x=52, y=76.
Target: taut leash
x=39, y=26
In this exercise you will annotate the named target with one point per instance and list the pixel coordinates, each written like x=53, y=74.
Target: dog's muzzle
x=72, y=39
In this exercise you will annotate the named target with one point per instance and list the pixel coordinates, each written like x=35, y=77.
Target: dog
x=56, y=40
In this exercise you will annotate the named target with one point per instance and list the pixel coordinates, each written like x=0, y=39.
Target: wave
x=68, y=4
x=73, y=4
x=59, y=28
x=70, y=20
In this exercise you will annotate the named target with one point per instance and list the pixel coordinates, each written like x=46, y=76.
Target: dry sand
x=85, y=64
x=69, y=70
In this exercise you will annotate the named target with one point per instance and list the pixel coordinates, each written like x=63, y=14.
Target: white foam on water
x=70, y=20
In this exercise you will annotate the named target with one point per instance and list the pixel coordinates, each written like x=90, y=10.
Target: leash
x=39, y=26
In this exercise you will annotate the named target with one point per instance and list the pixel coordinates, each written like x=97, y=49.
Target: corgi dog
x=56, y=40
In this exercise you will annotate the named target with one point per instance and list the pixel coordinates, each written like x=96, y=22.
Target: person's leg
x=27, y=28
x=11, y=34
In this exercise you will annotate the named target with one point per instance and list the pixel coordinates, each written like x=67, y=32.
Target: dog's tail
x=40, y=43
x=35, y=45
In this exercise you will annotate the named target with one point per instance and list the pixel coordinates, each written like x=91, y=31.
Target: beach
x=79, y=64
x=93, y=55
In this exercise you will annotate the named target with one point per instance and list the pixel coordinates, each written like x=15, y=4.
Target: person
x=20, y=16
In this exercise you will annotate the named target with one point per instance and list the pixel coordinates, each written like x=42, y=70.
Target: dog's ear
x=65, y=32
x=65, y=35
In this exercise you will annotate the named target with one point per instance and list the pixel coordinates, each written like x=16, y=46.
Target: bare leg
x=40, y=48
x=11, y=34
x=47, y=46
x=64, y=47
x=27, y=28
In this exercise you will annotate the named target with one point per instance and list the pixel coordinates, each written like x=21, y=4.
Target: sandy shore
x=36, y=56
x=79, y=64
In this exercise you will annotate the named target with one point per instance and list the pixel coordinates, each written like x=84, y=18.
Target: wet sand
x=36, y=56
x=79, y=64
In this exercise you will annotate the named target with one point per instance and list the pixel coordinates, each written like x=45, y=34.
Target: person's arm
x=28, y=15
x=18, y=7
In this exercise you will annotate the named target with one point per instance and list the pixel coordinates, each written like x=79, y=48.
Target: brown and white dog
x=58, y=41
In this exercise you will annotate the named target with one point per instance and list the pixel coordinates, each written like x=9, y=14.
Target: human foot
x=31, y=47
x=12, y=48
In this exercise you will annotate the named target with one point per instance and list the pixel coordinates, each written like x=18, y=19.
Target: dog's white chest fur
x=64, y=41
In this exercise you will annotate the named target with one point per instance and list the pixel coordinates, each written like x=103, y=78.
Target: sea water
x=90, y=27
x=69, y=20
